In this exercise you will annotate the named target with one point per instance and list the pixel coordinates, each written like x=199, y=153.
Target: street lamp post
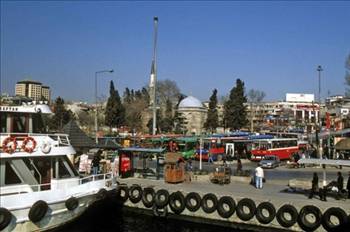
x=96, y=108
x=318, y=130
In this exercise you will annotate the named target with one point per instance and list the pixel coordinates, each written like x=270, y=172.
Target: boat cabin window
x=62, y=168
x=38, y=123
x=11, y=176
x=3, y=119
x=19, y=123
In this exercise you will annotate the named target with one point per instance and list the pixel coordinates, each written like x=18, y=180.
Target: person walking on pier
x=348, y=186
x=314, y=187
x=259, y=175
x=340, y=185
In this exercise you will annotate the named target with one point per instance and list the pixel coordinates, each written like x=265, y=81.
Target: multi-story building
x=33, y=89
x=338, y=108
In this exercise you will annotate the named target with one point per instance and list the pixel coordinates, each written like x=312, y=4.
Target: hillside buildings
x=33, y=89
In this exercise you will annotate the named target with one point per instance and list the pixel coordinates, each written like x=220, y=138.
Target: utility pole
x=318, y=130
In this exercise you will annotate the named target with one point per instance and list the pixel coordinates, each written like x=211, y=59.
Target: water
x=109, y=217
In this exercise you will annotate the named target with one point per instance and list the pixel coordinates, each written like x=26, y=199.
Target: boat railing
x=44, y=187
x=57, y=140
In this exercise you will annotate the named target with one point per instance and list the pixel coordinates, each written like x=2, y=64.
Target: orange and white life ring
x=29, y=144
x=9, y=145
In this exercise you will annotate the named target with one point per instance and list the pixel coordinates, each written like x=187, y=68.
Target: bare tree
x=254, y=97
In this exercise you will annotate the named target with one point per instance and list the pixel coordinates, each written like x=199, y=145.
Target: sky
x=273, y=47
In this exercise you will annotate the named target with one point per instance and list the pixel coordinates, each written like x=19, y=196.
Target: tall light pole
x=96, y=107
x=318, y=130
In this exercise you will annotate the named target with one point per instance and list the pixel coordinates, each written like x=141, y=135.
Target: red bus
x=281, y=147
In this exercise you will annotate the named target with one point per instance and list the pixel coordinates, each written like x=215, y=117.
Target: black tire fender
x=122, y=197
x=101, y=194
x=5, y=218
x=71, y=203
x=336, y=212
x=205, y=203
x=135, y=198
x=148, y=203
x=282, y=220
x=304, y=223
x=160, y=212
x=162, y=198
x=177, y=202
x=260, y=215
x=38, y=211
x=249, y=203
x=193, y=196
x=230, y=203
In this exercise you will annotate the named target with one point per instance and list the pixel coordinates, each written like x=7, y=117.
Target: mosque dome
x=190, y=102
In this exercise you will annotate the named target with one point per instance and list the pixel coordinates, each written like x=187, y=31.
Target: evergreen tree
x=127, y=96
x=235, y=115
x=61, y=115
x=347, y=76
x=212, y=121
x=115, y=111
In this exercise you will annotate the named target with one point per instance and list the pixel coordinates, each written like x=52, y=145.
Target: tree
x=179, y=120
x=212, y=121
x=135, y=107
x=347, y=76
x=235, y=115
x=167, y=122
x=61, y=115
x=167, y=90
x=115, y=111
x=254, y=96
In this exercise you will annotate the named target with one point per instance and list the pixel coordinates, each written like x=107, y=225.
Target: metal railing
x=92, y=178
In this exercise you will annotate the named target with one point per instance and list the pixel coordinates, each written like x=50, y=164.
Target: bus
x=281, y=147
x=212, y=146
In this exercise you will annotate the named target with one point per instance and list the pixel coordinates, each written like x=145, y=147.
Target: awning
x=343, y=144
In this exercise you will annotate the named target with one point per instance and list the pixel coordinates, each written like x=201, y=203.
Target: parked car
x=270, y=161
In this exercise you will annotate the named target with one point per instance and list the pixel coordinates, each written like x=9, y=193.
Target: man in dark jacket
x=340, y=185
x=348, y=186
x=96, y=163
x=314, y=187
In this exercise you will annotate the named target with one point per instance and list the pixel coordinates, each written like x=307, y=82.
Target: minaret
x=153, y=78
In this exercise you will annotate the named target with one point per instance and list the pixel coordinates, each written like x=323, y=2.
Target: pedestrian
x=259, y=175
x=314, y=185
x=96, y=163
x=340, y=185
x=210, y=159
x=348, y=186
x=303, y=157
x=239, y=167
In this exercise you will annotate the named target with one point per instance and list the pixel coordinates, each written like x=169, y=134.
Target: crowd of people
x=337, y=186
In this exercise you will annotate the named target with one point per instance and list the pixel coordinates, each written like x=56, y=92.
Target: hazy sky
x=272, y=46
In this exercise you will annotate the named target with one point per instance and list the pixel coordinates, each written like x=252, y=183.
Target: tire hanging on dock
x=303, y=221
x=177, y=202
x=148, y=192
x=228, y=202
x=259, y=214
x=122, y=193
x=135, y=193
x=282, y=220
x=162, y=198
x=190, y=198
x=160, y=212
x=71, y=203
x=335, y=212
x=209, y=197
x=101, y=194
x=5, y=218
x=241, y=213
x=38, y=211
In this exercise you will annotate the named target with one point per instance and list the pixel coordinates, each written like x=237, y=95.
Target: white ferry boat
x=39, y=187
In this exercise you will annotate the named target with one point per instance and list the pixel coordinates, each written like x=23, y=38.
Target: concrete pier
x=238, y=189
